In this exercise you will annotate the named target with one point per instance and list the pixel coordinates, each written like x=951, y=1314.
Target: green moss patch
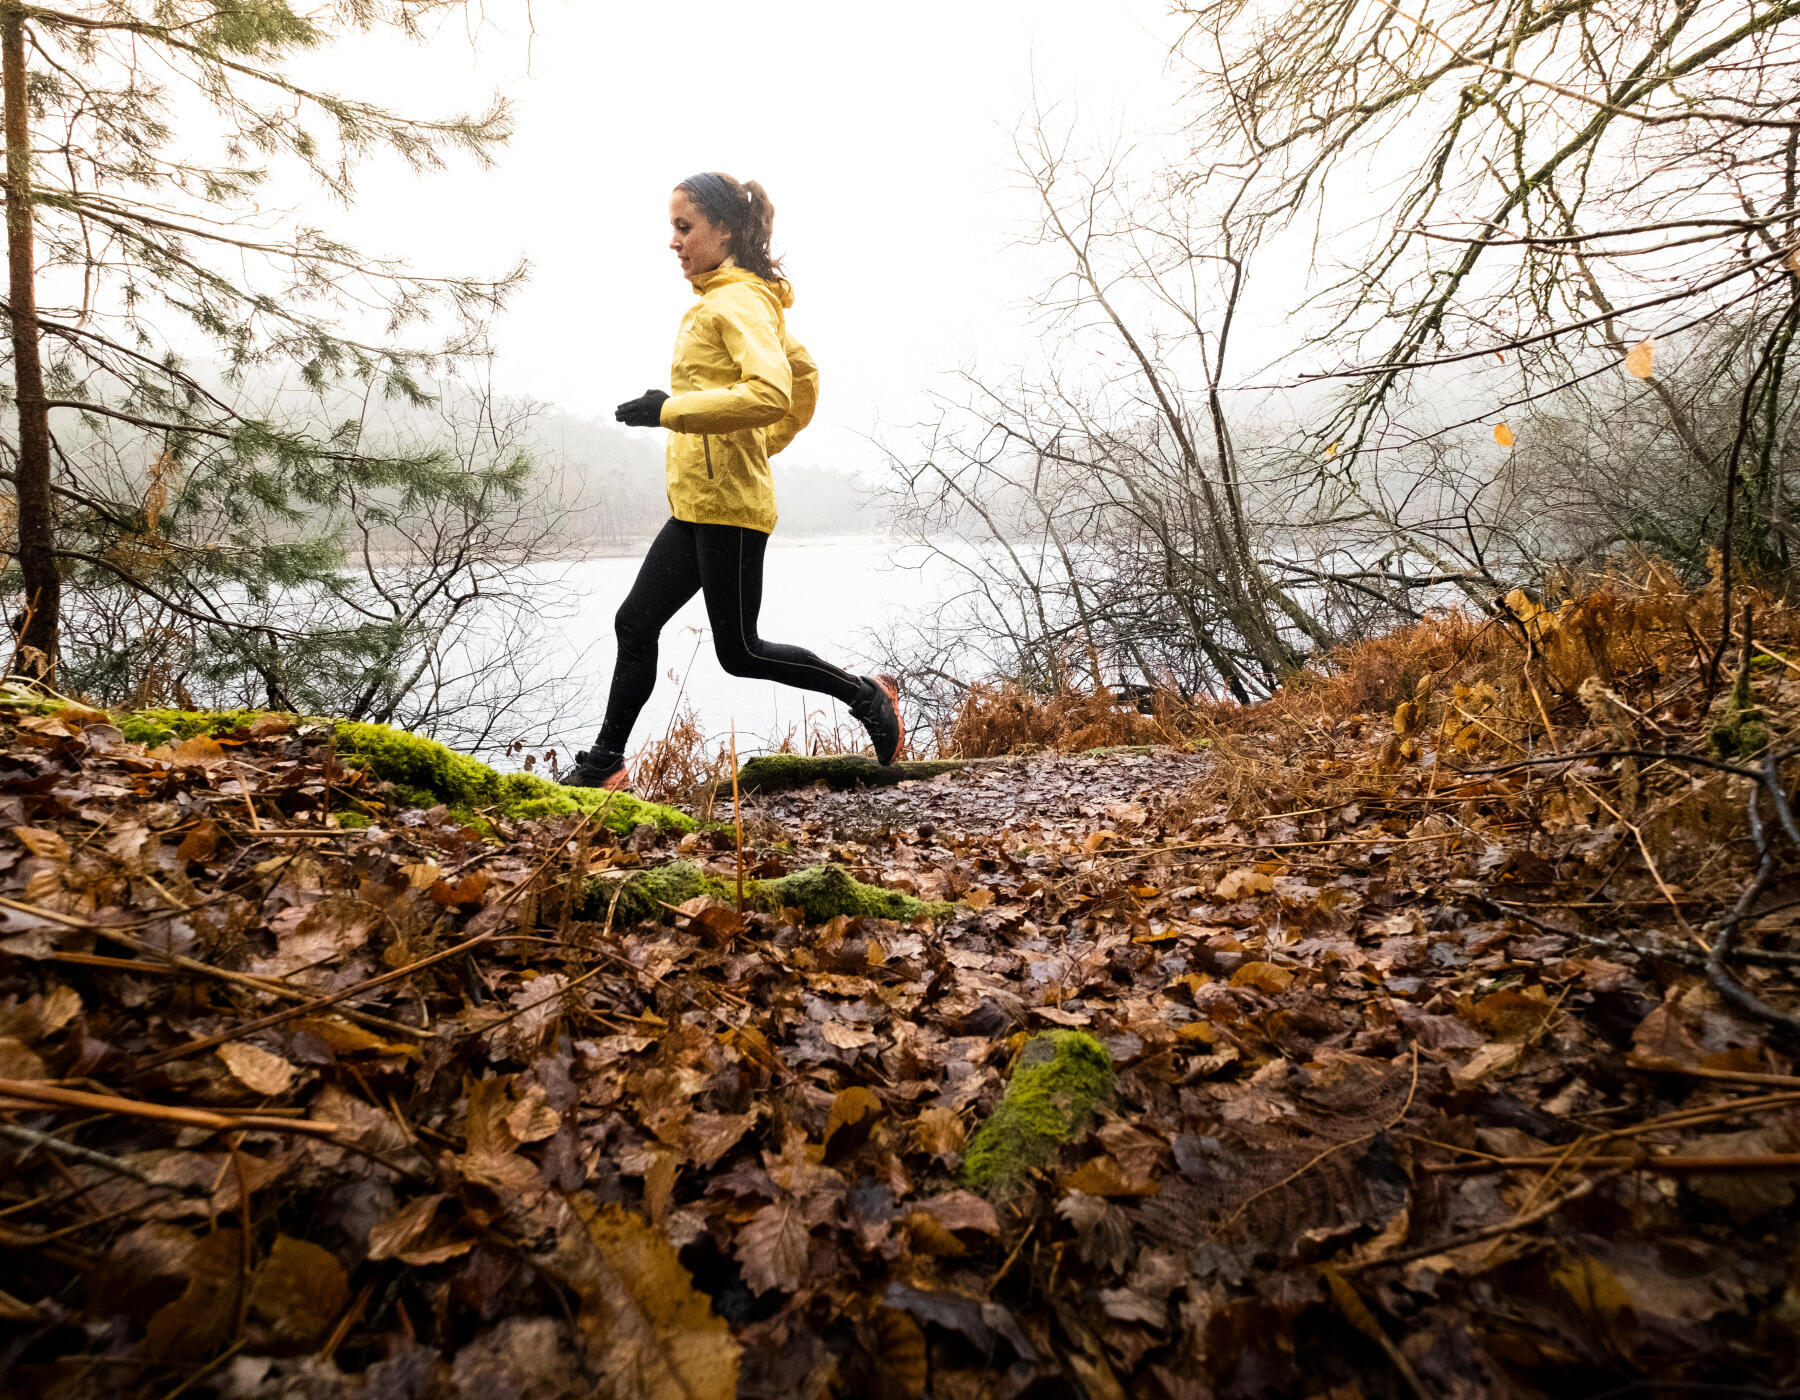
x=1743, y=730
x=423, y=772
x=821, y=892
x=153, y=727
x=1060, y=1077
x=782, y=772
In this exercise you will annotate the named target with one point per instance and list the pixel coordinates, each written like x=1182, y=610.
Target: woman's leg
x=731, y=564
x=668, y=577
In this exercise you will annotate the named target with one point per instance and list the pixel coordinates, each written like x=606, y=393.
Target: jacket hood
x=779, y=291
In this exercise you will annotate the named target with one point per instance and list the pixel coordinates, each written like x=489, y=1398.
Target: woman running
x=742, y=388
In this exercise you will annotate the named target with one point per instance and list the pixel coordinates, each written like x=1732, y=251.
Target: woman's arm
x=805, y=398
x=751, y=335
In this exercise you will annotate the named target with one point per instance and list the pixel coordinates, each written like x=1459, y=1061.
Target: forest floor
x=1448, y=1003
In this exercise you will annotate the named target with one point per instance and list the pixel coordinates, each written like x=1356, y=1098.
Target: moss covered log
x=820, y=892
x=782, y=772
x=1060, y=1078
x=423, y=772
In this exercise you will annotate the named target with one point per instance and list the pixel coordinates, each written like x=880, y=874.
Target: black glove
x=642, y=412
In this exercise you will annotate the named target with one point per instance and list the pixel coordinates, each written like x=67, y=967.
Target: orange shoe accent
x=892, y=687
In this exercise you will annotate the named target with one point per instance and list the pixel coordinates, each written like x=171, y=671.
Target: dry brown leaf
x=258, y=1070
x=1102, y=1228
x=961, y=1210
x=1503, y=435
x=846, y=1037
x=1641, y=362
x=19, y=1061
x=1490, y=1060
x=1238, y=884
x=422, y=874
x=1513, y=1015
x=1597, y=1296
x=938, y=1131
x=712, y=1135
x=773, y=1247
x=56, y=1008
x=200, y=843
x=41, y=841
x=412, y=1235
x=854, y=1114
x=298, y=1291
x=199, y=1323
x=200, y=751
x=1266, y=977
x=647, y=1331
x=899, y=1349
x=531, y=1119
x=1107, y=1176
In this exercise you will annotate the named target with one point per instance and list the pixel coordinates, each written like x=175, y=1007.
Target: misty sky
x=882, y=136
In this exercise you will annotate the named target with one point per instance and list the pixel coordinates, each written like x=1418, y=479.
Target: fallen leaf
x=20, y=1061
x=412, y=1235
x=1266, y=977
x=938, y=1131
x=1490, y=1060
x=772, y=1247
x=899, y=1353
x=422, y=874
x=1106, y=1176
x=199, y=845
x=961, y=1210
x=259, y=1070
x=1102, y=1229
x=854, y=1114
x=1243, y=882
x=846, y=1037
x=299, y=1290
x=41, y=841
x=199, y=1323
x=200, y=751
x=647, y=1331
x=531, y=1119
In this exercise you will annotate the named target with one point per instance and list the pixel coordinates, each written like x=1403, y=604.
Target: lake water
x=833, y=595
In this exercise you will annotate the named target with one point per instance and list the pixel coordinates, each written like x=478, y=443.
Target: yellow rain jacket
x=740, y=388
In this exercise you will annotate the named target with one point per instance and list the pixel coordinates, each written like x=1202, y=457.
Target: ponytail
x=745, y=212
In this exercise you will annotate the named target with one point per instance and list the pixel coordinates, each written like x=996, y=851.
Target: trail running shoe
x=594, y=769
x=877, y=705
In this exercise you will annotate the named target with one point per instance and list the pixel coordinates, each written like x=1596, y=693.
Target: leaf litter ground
x=1424, y=1084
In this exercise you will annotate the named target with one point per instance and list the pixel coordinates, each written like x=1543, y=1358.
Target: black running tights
x=725, y=562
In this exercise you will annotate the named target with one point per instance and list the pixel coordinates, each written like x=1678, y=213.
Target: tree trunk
x=41, y=619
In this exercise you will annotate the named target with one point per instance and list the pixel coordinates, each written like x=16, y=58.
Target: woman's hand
x=645, y=411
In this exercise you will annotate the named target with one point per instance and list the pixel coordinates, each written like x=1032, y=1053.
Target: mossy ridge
x=424, y=772
x=1059, y=1079
x=782, y=772
x=822, y=892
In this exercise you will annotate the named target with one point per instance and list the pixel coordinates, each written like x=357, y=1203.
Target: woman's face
x=699, y=243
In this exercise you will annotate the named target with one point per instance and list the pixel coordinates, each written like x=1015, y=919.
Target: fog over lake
x=831, y=594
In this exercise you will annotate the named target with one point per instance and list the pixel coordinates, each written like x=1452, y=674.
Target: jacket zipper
x=706, y=446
